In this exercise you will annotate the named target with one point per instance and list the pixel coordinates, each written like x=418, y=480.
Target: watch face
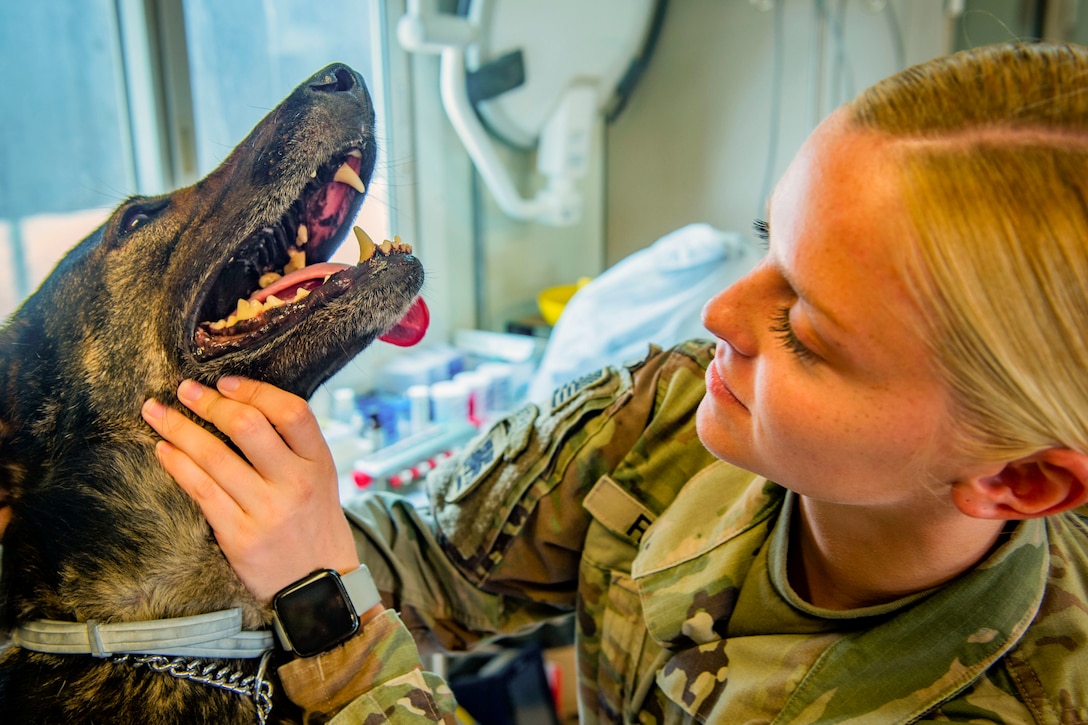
x=316, y=614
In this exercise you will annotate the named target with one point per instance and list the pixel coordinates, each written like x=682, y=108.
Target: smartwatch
x=321, y=610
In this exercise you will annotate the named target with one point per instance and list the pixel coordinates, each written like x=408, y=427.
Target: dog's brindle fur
x=97, y=529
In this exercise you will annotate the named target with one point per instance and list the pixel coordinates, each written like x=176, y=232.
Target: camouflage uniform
x=695, y=621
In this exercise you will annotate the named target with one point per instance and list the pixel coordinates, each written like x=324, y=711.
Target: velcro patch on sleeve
x=478, y=462
x=504, y=441
x=618, y=511
x=569, y=391
x=483, y=496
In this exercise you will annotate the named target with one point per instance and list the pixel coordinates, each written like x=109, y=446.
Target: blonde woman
x=863, y=502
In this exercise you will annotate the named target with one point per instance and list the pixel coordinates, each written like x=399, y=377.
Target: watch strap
x=361, y=589
x=281, y=636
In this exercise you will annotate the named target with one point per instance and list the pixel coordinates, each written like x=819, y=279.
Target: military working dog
x=226, y=277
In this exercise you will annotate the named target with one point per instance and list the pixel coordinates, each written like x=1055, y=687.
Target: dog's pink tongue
x=310, y=276
x=412, y=327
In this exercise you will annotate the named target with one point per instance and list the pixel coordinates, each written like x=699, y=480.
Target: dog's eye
x=138, y=214
x=133, y=219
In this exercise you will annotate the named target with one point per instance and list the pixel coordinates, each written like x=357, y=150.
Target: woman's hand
x=278, y=519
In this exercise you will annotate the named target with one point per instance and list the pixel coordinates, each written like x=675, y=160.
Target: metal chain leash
x=255, y=687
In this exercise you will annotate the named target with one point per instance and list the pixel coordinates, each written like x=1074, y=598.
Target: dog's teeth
x=268, y=278
x=366, y=245
x=298, y=261
x=356, y=153
x=313, y=174
x=273, y=301
x=400, y=245
x=302, y=236
x=387, y=247
x=346, y=175
x=247, y=310
x=302, y=294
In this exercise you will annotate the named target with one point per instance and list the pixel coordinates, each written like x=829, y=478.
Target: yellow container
x=552, y=300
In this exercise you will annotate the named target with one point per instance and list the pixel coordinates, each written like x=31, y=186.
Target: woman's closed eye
x=781, y=326
x=783, y=330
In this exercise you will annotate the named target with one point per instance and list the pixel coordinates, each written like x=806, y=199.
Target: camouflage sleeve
x=499, y=550
x=514, y=514
x=375, y=677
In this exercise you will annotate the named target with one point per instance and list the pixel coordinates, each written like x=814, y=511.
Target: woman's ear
x=1044, y=483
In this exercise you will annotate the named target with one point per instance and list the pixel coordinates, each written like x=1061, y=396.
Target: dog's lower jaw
x=341, y=322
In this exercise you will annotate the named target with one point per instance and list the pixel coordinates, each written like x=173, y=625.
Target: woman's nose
x=732, y=315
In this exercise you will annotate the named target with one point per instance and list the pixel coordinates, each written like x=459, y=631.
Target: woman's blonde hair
x=994, y=150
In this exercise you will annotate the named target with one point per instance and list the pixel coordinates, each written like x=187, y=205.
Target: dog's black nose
x=335, y=79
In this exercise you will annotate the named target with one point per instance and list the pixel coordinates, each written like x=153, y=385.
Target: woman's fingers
x=276, y=516
x=290, y=414
x=217, y=505
x=275, y=430
x=248, y=427
x=202, y=459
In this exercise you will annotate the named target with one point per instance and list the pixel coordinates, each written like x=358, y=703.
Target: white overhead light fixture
x=537, y=74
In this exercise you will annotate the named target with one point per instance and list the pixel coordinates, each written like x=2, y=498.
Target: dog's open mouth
x=281, y=273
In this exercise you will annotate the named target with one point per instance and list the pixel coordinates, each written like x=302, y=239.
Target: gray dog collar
x=217, y=635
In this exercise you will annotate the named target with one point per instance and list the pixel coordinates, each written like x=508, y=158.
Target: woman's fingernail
x=229, y=384
x=190, y=390
x=153, y=409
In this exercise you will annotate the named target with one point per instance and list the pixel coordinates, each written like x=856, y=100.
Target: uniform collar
x=695, y=558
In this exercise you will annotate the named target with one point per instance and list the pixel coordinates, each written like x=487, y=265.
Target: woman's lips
x=716, y=386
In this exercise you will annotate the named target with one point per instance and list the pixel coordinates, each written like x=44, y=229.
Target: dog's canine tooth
x=366, y=245
x=302, y=236
x=298, y=260
x=347, y=175
x=268, y=278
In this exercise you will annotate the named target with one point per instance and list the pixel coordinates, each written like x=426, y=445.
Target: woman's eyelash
x=784, y=331
x=763, y=231
x=781, y=326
